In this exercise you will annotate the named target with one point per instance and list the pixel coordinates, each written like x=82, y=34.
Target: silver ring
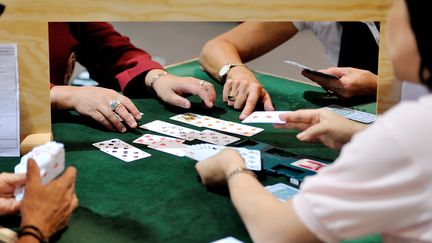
x=113, y=104
x=201, y=83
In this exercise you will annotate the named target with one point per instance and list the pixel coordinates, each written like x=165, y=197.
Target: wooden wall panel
x=25, y=22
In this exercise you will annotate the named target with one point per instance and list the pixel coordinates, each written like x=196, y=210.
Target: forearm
x=62, y=97
x=266, y=218
x=217, y=53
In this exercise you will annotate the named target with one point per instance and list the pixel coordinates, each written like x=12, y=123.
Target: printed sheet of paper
x=9, y=100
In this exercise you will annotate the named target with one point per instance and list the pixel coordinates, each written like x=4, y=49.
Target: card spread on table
x=309, y=164
x=354, y=115
x=170, y=147
x=171, y=130
x=265, y=117
x=228, y=239
x=203, y=151
x=217, y=138
x=282, y=191
x=121, y=150
x=218, y=124
x=151, y=138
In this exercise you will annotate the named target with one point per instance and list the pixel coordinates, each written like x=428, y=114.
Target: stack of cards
x=121, y=150
x=189, y=134
x=50, y=158
x=282, y=191
x=203, y=151
x=217, y=124
x=354, y=115
x=228, y=239
x=265, y=117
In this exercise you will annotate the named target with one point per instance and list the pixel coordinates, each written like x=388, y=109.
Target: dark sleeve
x=109, y=56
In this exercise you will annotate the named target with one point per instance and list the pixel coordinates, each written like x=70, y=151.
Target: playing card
x=311, y=70
x=217, y=124
x=203, y=151
x=216, y=137
x=121, y=150
x=265, y=117
x=354, y=115
x=309, y=164
x=282, y=191
x=151, y=138
x=229, y=239
x=170, y=147
x=171, y=130
x=189, y=118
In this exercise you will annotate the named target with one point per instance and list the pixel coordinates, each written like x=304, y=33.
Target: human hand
x=172, y=89
x=93, y=102
x=48, y=207
x=213, y=170
x=8, y=183
x=321, y=125
x=243, y=90
x=351, y=82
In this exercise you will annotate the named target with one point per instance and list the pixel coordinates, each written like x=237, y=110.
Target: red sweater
x=109, y=57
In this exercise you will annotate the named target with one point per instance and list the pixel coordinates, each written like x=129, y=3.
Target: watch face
x=224, y=70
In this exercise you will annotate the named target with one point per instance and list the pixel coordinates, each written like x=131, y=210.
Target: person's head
x=408, y=41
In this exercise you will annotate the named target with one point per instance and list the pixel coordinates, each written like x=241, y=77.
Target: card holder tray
x=277, y=161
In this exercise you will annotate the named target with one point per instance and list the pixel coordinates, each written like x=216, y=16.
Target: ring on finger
x=231, y=98
x=201, y=83
x=113, y=104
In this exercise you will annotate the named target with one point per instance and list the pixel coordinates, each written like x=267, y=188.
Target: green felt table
x=159, y=199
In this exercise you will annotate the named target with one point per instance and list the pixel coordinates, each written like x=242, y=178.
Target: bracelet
x=239, y=170
x=157, y=77
x=37, y=234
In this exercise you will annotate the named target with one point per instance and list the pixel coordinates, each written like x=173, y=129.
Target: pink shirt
x=381, y=182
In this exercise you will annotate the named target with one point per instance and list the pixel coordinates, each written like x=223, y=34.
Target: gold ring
x=231, y=98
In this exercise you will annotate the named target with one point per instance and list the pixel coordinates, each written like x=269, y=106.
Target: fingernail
x=301, y=136
x=123, y=130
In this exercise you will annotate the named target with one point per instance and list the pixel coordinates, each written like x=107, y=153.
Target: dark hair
x=419, y=11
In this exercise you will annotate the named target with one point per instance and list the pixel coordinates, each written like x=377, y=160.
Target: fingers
x=177, y=100
x=312, y=133
x=33, y=174
x=268, y=105
x=131, y=108
x=110, y=118
x=300, y=119
x=209, y=88
x=207, y=93
x=336, y=71
x=68, y=177
x=126, y=116
x=14, y=180
x=251, y=101
x=226, y=90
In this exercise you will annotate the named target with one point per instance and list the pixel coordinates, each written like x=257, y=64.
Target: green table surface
x=159, y=198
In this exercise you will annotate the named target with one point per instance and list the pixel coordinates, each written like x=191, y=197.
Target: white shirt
x=381, y=182
x=330, y=34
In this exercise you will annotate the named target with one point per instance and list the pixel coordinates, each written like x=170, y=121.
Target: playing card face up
x=281, y=191
x=121, y=150
x=265, y=117
x=309, y=164
x=203, y=151
x=174, y=148
x=219, y=124
x=171, y=130
x=354, y=115
x=216, y=138
x=148, y=139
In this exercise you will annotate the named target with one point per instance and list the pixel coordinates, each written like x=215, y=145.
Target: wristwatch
x=223, y=72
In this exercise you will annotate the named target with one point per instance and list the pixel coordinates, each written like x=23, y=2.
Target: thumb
x=312, y=133
x=33, y=174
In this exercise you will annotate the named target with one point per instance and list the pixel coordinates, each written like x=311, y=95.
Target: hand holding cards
x=311, y=70
x=50, y=158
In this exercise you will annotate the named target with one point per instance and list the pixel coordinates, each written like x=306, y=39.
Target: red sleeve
x=108, y=55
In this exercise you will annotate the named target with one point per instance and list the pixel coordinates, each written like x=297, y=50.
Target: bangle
x=239, y=170
x=36, y=234
x=157, y=77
